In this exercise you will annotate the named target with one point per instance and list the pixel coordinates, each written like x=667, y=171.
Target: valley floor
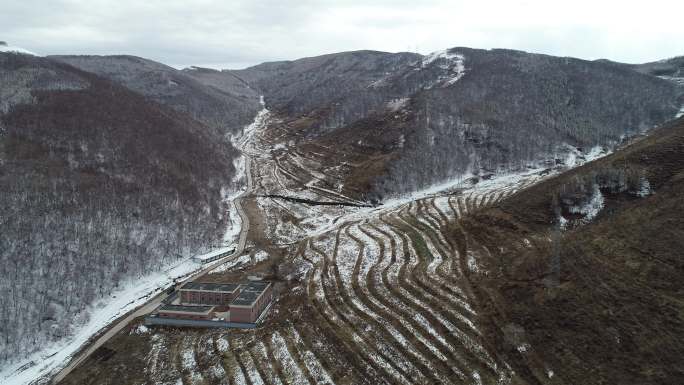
x=364, y=294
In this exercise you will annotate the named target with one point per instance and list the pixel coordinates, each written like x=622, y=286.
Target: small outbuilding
x=186, y=312
x=214, y=255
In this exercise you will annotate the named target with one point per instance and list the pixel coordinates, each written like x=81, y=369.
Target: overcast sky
x=234, y=34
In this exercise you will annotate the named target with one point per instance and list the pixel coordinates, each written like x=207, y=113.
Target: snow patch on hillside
x=141, y=329
x=397, y=104
x=13, y=49
x=441, y=54
x=644, y=188
x=222, y=344
x=574, y=157
x=452, y=63
x=189, y=363
x=674, y=79
x=260, y=256
x=592, y=208
x=401, y=141
x=472, y=263
x=287, y=362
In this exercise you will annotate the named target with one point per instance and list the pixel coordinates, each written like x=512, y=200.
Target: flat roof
x=211, y=286
x=186, y=309
x=249, y=294
x=215, y=253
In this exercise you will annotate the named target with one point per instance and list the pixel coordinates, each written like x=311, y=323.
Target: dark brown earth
x=614, y=314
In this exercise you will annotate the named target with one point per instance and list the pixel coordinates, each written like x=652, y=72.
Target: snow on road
x=243, y=259
x=235, y=222
x=210, y=256
x=496, y=183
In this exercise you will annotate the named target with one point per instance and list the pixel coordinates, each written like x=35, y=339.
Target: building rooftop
x=210, y=286
x=249, y=294
x=186, y=309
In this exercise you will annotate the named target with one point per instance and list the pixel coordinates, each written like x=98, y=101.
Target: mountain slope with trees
x=98, y=185
x=457, y=112
x=227, y=108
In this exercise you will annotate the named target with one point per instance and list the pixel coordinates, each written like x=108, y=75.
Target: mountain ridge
x=115, y=165
x=224, y=109
x=485, y=99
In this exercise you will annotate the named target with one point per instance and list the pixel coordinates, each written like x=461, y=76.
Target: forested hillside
x=462, y=111
x=672, y=68
x=98, y=185
x=225, y=107
x=338, y=88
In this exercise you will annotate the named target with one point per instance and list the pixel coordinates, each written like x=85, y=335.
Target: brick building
x=212, y=294
x=253, y=298
x=186, y=312
x=220, y=302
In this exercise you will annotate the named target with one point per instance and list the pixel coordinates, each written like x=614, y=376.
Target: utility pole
x=554, y=277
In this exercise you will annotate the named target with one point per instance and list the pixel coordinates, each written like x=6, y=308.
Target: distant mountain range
x=457, y=112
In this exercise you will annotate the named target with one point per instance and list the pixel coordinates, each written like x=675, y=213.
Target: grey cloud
x=238, y=33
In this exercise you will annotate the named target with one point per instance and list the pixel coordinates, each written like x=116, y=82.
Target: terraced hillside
x=366, y=295
x=451, y=283
x=388, y=294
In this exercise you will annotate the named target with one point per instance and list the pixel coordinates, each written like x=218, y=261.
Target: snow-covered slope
x=13, y=49
x=451, y=63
